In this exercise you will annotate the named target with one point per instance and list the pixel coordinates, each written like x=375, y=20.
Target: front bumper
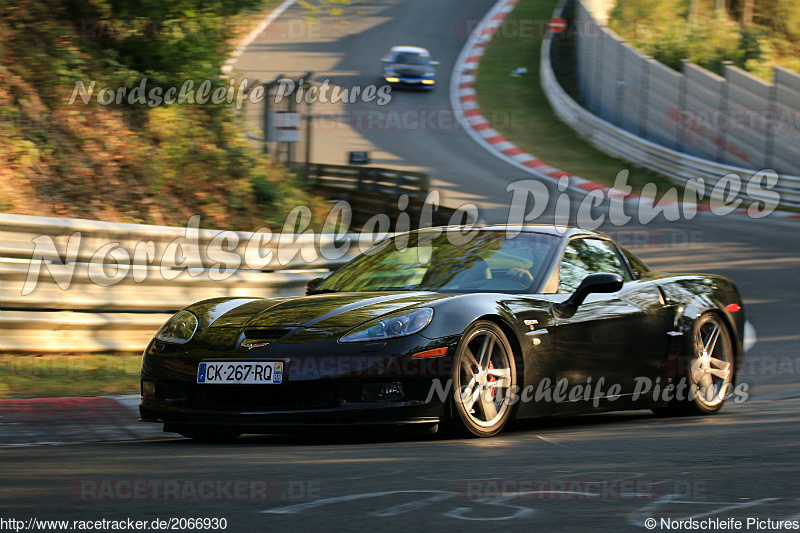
x=400, y=414
x=314, y=403
x=318, y=390
x=406, y=82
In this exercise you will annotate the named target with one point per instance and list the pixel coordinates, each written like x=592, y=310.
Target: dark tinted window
x=588, y=256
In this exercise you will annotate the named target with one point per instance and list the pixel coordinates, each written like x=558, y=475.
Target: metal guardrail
x=369, y=179
x=677, y=166
x=373, y=190
x=22, y=235
x=70, y=285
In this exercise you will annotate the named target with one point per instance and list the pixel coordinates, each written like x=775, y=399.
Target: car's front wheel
x=484, y=380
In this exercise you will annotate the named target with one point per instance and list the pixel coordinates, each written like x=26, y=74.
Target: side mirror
x=385, y=60
x=591, y=284
x=313, y=284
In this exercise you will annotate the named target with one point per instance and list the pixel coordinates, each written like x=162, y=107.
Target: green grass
x=47, y=376
x=518, y=108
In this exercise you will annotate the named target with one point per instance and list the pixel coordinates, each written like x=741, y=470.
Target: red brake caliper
x=491, y=378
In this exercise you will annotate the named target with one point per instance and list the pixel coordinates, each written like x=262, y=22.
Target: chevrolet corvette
x=462, y=329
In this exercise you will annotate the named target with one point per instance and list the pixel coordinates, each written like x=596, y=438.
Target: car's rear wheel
x=484, y=381
x=710, y=370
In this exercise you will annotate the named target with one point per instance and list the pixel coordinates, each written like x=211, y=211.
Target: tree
x=747, y=13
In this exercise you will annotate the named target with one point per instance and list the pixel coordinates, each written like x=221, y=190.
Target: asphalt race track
x=600, y=472
x=427, y=136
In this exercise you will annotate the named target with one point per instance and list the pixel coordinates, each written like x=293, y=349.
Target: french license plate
x=241, y=372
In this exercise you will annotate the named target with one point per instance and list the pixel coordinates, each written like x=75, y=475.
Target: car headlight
x=179, y=329
x=387, y=327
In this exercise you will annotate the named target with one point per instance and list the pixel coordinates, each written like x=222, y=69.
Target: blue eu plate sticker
x=201, y=373
x=278, y=373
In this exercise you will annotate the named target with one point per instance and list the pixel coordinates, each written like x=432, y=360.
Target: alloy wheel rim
x=711, y=368
x=484, y=378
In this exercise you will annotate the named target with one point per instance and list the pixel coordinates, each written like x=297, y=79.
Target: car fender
x=212, y=309
x=726, y=302
x=526, y=321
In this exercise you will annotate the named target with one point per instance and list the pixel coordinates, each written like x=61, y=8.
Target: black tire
x=709, y=372
x=484, y=375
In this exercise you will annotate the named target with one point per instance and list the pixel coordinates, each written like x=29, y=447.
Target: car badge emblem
x=253, y=344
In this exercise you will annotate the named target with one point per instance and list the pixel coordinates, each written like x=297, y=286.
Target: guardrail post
x=265, y=118
x=424, y=184
x=598, y=73
x=362, y=172
x=375, y=175
x=318, y=174
x=309, y=124
x=619, y=75
x=681, y=107
x=398, y=180
x=769, y=142
x=723, y=108
x=644, y=98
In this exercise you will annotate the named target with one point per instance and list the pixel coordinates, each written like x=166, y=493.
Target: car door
x=612, y=336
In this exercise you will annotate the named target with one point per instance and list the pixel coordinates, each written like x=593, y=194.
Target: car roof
x=410, y=49
x=547, y=229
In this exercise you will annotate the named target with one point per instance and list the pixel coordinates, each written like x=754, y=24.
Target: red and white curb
x=464, y=101
x=54, y=421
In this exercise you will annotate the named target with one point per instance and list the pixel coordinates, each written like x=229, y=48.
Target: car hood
x=329, y=312
x=411, y=70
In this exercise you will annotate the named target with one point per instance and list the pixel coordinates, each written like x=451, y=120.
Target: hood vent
x=266, y=333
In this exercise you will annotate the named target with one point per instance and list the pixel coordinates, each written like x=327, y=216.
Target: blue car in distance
x=409, y=66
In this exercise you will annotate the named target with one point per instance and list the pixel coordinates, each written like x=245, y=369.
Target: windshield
x=486, y=261
x=410, y=58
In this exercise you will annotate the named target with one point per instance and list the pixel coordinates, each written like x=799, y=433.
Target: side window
x=639, y=268
x=587, y=256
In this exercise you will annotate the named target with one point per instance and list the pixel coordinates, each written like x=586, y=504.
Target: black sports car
x=459, y=328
